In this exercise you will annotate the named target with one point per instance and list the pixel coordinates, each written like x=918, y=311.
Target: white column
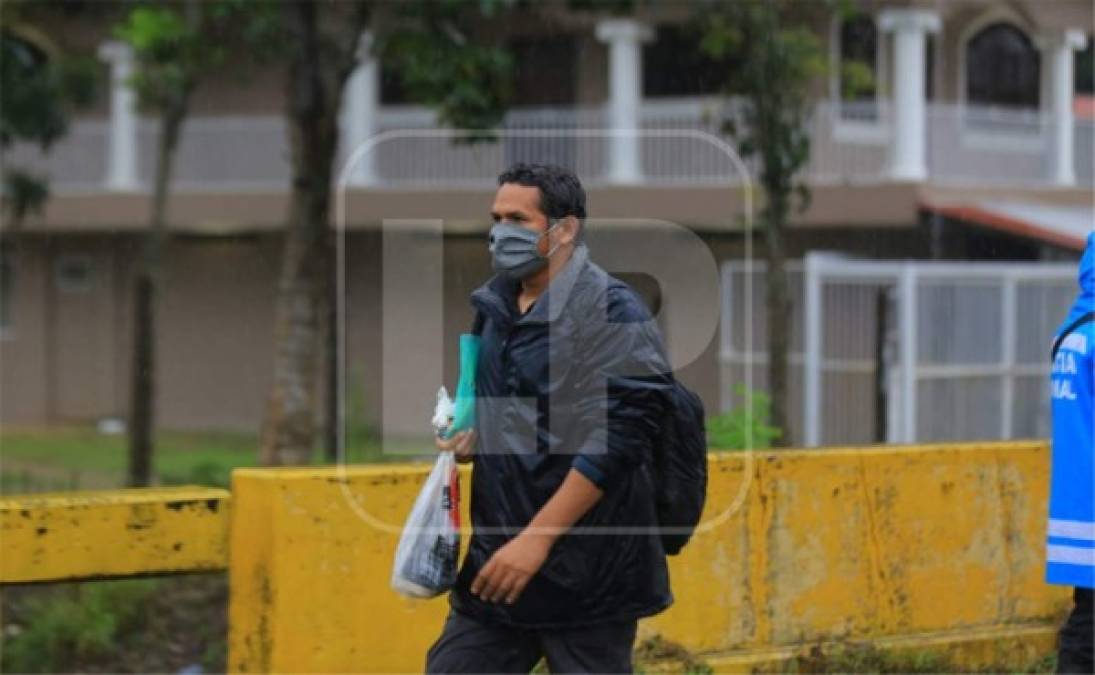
x=361, y=107
x=908, y=149
x=1057, y=53
x=625, y=91
x=122, y=157
x=812, y=368
x=907, y=329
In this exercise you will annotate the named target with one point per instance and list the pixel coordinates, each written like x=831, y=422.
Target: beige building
x=968, y=147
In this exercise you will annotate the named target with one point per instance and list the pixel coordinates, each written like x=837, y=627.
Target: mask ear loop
x=554, y=223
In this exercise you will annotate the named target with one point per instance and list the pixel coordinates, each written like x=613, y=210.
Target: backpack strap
x=477, y=323
x=1086, y=318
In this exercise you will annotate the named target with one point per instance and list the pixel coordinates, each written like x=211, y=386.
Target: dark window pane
x=674, y=66
x=1002, y=68
x=544, y=71
x=1085, y=69
x=859, y=49
x=929, y=73
x=392, y=91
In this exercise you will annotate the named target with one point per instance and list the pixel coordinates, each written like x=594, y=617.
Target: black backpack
x=680, y=468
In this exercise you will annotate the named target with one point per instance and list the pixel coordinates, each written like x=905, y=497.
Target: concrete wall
x=920, y=549
x=96, y=534
x=797, y=547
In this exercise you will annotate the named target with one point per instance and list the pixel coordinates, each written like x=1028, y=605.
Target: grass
x=79, y=623
x=848, y=658
x=657, y=648
x=866, y=658
x=79, y=457
x=146, y=625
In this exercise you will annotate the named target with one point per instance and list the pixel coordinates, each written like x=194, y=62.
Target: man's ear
x=569, y=228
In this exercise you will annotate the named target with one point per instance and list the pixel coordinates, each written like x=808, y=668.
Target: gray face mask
x=514, y=252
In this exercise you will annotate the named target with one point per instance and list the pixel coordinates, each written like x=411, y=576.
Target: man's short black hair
x=561, y=193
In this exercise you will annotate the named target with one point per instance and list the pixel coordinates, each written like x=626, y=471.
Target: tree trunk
x=317, y=72
x=778, y=306
x=334, y=412
x=146, y=289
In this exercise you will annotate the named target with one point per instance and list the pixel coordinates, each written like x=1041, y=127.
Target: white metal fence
x=850, y=145
x=963, y=347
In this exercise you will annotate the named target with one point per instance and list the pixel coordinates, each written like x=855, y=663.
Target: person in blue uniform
x=1070, y=551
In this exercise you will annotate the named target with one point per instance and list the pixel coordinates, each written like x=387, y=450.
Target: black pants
x=1076, y=649
x=467, y=646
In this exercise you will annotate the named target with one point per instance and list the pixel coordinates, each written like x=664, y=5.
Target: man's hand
x=511, y=567
x=460, y=445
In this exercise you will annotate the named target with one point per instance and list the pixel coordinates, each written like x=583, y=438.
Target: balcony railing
x=850, y=145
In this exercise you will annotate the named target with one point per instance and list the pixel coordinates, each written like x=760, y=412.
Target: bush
x=734, y=429
x=208, y=474
x=77, y=624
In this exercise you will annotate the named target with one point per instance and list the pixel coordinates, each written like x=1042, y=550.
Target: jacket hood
x=1085, y=302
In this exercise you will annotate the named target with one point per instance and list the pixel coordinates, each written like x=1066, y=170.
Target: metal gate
x=904, y=352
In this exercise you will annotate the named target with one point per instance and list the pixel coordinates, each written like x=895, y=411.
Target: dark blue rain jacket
x=579, y=381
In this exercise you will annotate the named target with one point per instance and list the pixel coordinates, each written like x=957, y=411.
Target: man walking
x=563, y=558
x=1070, y=554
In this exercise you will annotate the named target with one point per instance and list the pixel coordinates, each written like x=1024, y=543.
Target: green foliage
x=208, y=474
x=656, y=648
x=170, y=52
x=25, y=193
x=443, y=63
x=81, y=458
x=33, y=105
x=257, y=28
x=76, y=625
x=25, y=481
x=867, y=658
x=745, y=427
x=773, y=55
x=777, y=56
x=175, y=44
x=215, y=656
x=856, y=79
x=361, y=435
x=40, y=89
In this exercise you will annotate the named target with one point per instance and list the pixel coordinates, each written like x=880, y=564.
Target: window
x=74, y=273
x=1002, y=68
x=859, y=53
x=1085, y=68
x=857, y=70
x=392, y=89
x=929, y=66
x=673, y=66
x=544, y=71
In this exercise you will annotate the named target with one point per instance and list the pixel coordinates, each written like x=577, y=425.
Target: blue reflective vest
x=1070, y=551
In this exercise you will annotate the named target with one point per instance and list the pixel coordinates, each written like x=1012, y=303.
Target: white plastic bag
x=442, y=412
x=425, y=560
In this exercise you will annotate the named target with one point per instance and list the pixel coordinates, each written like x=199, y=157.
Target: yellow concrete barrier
x=112, y=533
x=917, y=545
